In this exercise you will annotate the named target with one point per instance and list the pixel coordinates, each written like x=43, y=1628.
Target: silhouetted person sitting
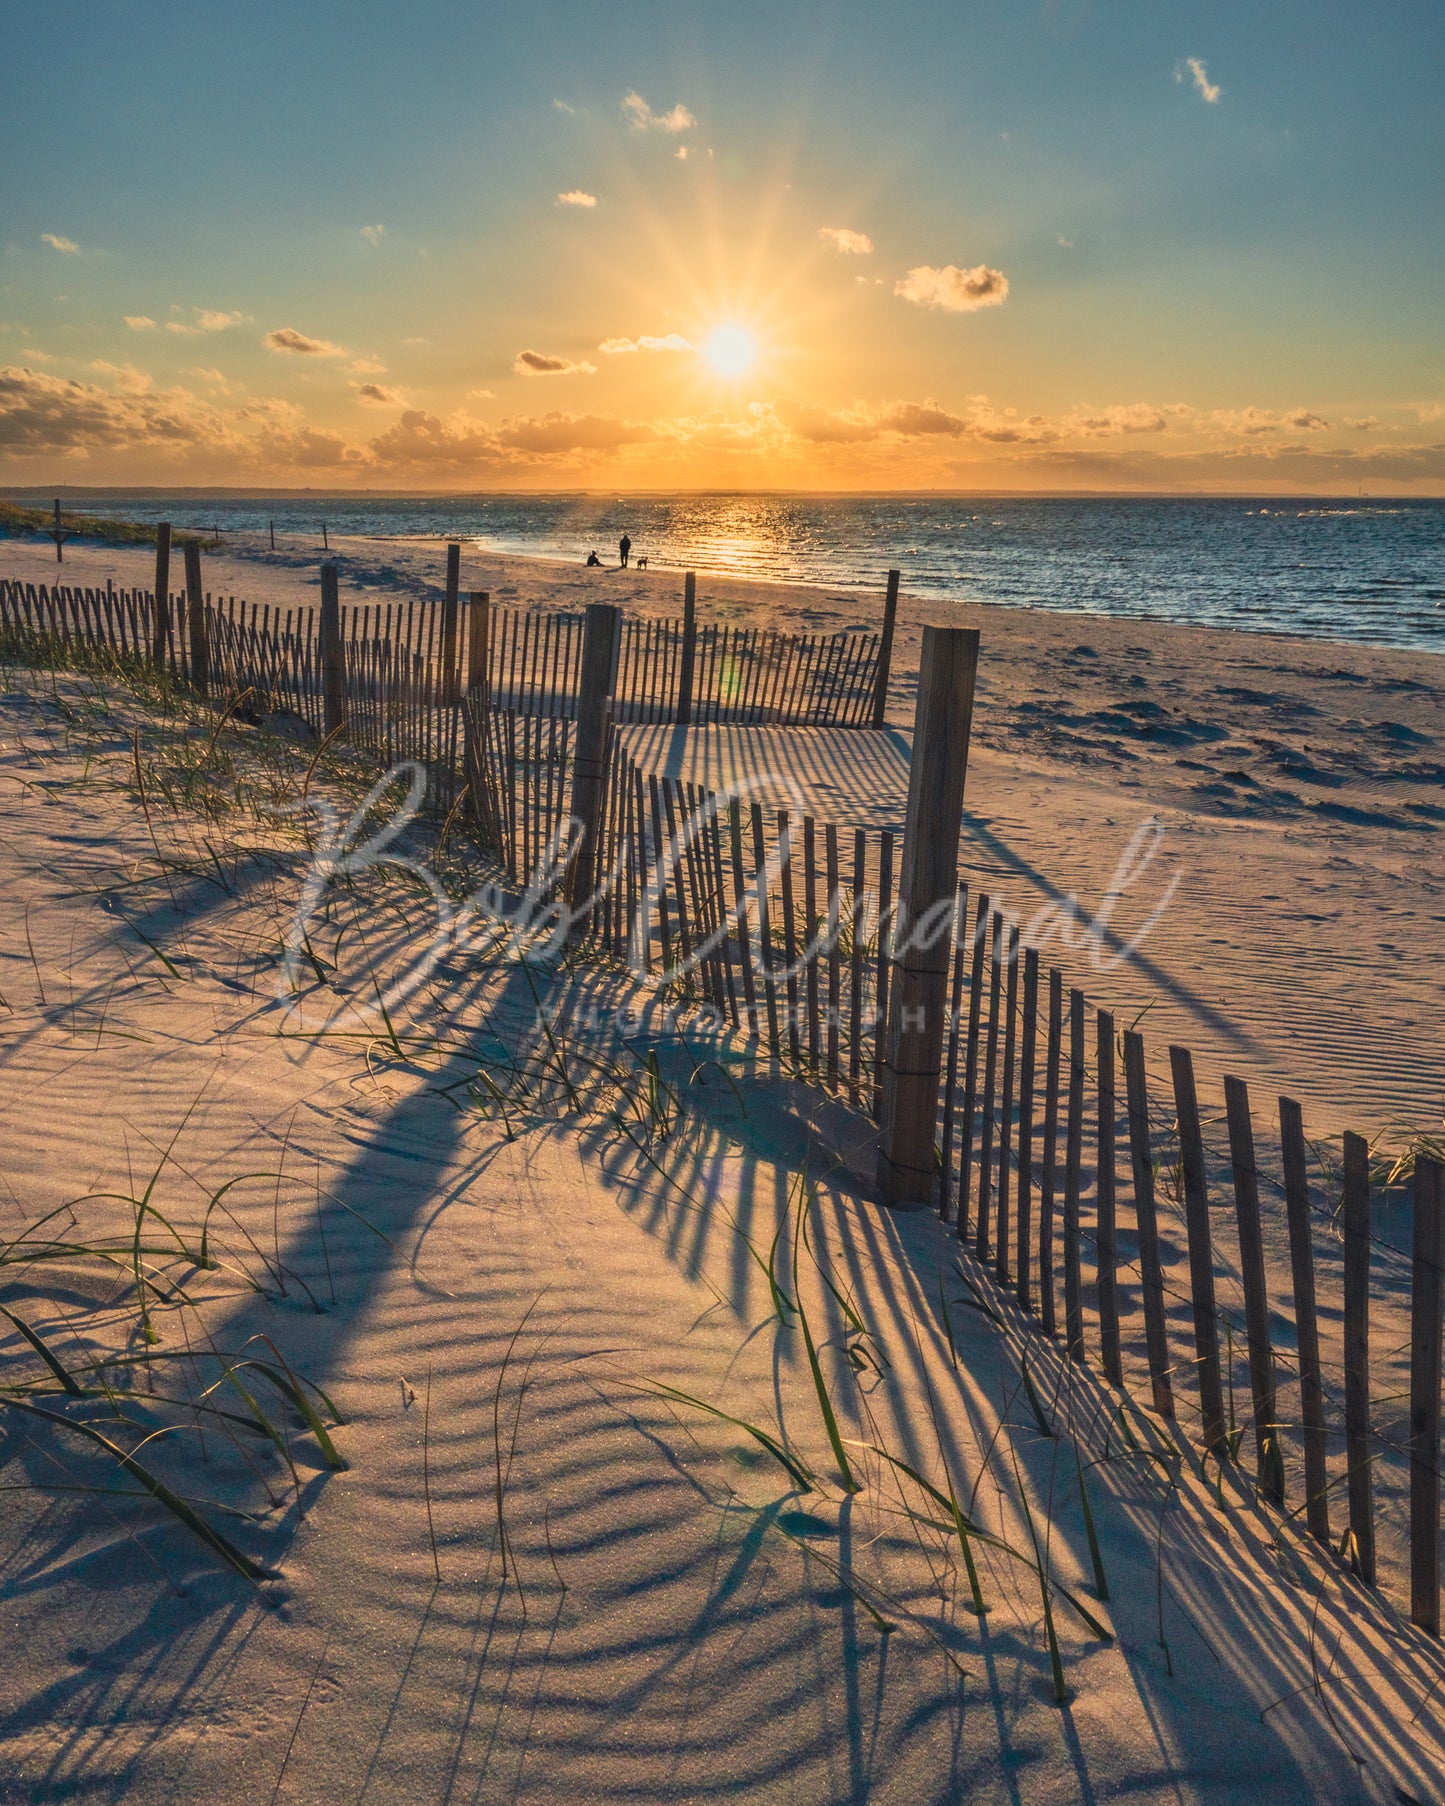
x=592, y=559
x=624, y=546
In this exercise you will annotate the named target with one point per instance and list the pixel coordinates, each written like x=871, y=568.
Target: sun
x=730, y=351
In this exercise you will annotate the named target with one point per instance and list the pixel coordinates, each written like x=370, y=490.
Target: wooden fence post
x=333, y=671
x=923, y=926
x=689, y=649
x=1201, y=1252
x=1425, y=1332
x=1073, y=1179
x=1106, y=1239
x=1356, y=1212
x=200, y=662
x=1151, y=1273
x=1256, y=1293
x=476, y=705
x=885, y=652
x=1306, y=1318
x=161, y=625
x=601, y=643
x=448, y=688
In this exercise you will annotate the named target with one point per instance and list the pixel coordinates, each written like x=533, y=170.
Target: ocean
x=1370, y=572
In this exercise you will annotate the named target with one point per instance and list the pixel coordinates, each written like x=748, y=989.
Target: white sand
x=1301, y=787
x=700, y=1650
x=703, y=1648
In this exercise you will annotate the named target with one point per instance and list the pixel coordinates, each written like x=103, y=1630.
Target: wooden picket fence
x=782, y=928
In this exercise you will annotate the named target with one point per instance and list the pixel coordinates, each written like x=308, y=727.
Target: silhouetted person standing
x=624, y=546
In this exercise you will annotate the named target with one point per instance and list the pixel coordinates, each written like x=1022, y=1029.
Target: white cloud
x=1066, y=244
x=140, y=322
x=682, y=153
x=366, y=366
x=373, y=234
x=1207, y=90
x=479, y=394
x=57, y=243
x=538, y=363
x=641, y=117
x=563, y=106
x=208, y=319
x=576, y=197
x=1369, y=424
x=373, y=395
x=846, y=242
x=952, y=289
x=674, y=341
x=286, y=338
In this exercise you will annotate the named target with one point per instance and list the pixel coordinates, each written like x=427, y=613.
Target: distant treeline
x=15, y=519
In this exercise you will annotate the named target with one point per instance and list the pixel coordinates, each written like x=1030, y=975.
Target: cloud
x=57, y=243
x=641, y=117
x=365, y=366
x=682, y=153
x=1133, y=417
x=373, y=395
x=952, y=289
x=857, y=425
x=373, y=234
x=286, y=338
x=674, y=341
x=563, y=106
x=1305, y=422
x=1250, y=422
x=126, y=377
x=538, y=363
x=571, y=432
x=576, y=197
x=419, y=438
x=50, y=415
x=846, y=242
x=140, y=322
x=479, y=394
x=1208, y=91
x=1369, y=424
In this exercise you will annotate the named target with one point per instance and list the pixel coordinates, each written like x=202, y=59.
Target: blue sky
x=1210, y=237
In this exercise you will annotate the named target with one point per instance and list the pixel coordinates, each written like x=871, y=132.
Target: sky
x=1033, y=244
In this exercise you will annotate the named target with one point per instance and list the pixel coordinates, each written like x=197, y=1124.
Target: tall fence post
x=1256, y=1294
x=923, y=926
x=1425, y=1334
x=1361, y=1489
x=161, y=625
x=1306, y=1318
x=601, y=643
x=885, y=652
x=449, y=685
x=689, y=648
x=333, y=671
x=1194, y=1178
x=200, y=660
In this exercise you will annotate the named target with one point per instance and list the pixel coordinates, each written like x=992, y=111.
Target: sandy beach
x=547, y=1573
x=1299, y=786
